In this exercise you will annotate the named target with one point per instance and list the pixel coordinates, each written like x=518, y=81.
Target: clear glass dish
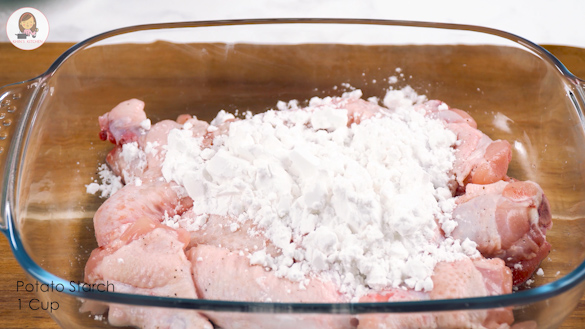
x=50, y=147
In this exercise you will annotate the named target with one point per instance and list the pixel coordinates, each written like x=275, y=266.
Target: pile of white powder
x=358, y=204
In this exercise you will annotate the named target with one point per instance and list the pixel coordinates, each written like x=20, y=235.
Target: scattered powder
x=501, y=122
x=92, y=188
x=347, y=86
x=540, y=272
x=110, y=183
x=357, y=204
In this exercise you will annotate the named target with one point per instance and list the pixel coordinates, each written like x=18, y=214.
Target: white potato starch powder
x=359, y=204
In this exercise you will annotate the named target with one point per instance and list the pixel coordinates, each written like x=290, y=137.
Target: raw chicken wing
x=132, y=203
x=507, y=220
x=459, y=279
x=396, y=321
x=224, y=275
x=217, y=231
x=123, y=123
x=148, y=259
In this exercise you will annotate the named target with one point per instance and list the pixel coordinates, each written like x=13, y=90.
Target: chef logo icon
x=27, y=25
x=27, y=28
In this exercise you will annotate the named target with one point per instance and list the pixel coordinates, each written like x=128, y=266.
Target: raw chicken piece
x=223, y=275
x=479, y=159
x=148, y=259
x=182, y=118
x=507, y=220
x=154, y=147
x=359, y=109
x=123, y=123
x=219, y=231
x=396, y=321
x=439, y=110
x=219, y=126
x=458, y=279
x=472, y=278
x=131, y=203
x=128, y=228
x=150, y=151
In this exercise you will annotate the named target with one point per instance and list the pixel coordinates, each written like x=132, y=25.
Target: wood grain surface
x=17, y=65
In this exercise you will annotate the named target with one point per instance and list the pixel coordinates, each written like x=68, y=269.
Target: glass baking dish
x=50, y=147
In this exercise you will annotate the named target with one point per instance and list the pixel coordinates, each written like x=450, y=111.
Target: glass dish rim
x=549, y=290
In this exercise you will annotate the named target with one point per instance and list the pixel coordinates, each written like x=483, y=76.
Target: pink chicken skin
x=204, y=263
x=214, y=270
x=123, y=123
x=133, y=202
x=507, y=220
x=147, y=259
x=459, y=279
x=216, y=231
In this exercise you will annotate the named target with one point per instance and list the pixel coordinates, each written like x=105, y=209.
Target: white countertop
x=541, y=21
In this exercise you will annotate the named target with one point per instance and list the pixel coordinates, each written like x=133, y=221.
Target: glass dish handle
x=14, y=99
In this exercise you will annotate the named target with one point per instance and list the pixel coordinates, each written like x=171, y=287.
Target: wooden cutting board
x=18, y=65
